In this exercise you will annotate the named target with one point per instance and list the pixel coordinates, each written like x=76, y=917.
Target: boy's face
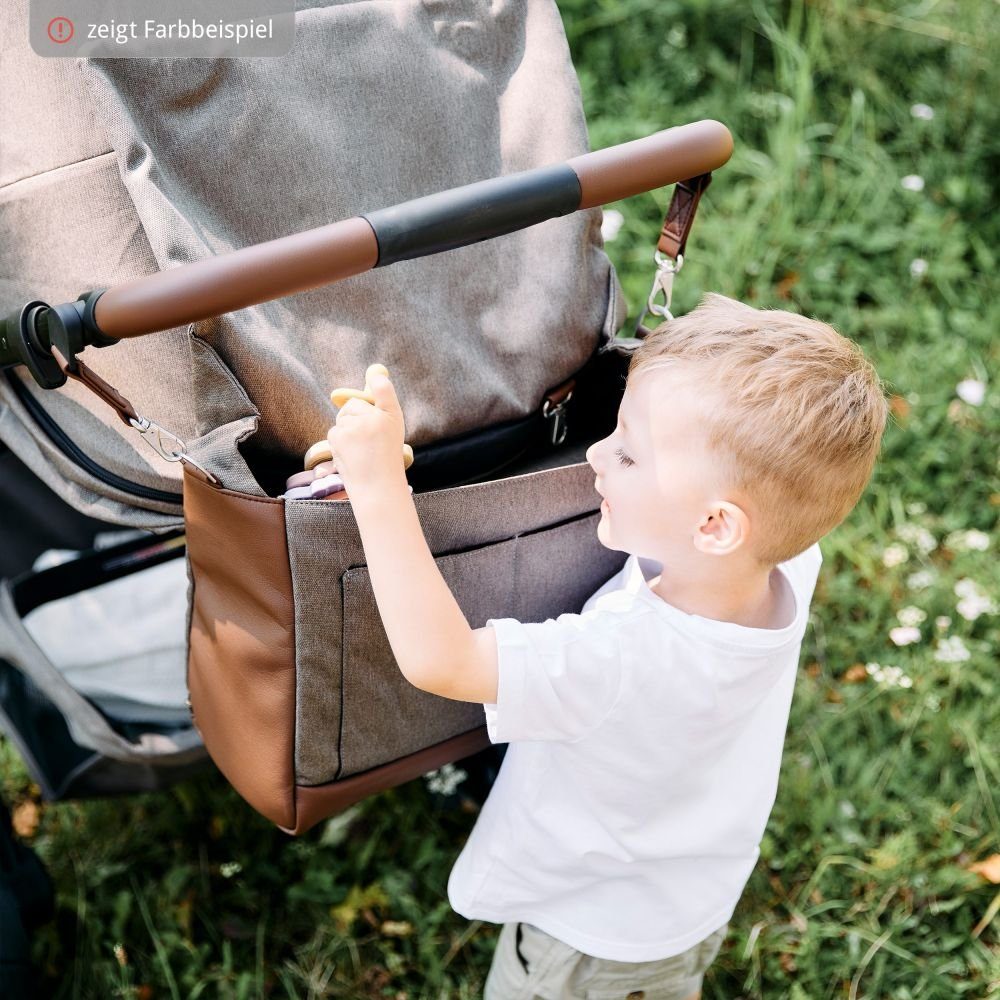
x=654, y=470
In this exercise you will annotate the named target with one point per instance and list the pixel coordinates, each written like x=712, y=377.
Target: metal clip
x=557, y=411
x=663, y=281
x=156, y=437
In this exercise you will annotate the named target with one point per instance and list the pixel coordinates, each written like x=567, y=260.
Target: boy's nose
x=595, y=455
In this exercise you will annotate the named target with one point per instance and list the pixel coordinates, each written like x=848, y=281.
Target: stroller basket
x=292, y=683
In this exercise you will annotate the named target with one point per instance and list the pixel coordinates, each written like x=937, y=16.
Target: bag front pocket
x=538, y=575
x=386, y=716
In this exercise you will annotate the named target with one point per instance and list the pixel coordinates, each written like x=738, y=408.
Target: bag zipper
x=70, y=449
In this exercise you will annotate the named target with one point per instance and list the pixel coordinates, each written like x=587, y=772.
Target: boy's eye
x=623, y=458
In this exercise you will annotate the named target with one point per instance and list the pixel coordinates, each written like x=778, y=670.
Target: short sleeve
x=556, y=680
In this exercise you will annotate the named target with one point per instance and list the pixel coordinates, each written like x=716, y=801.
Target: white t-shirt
x=645, y=745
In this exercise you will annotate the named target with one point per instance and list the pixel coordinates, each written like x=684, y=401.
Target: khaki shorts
x=529, y=964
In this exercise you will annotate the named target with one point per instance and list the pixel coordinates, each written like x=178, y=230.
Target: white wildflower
x=920, y=580
x=446, y=779
x=918, y=267
x=923, y=111
x=974, y=600
x=970, y=608
x=917, y=507
x=951, y=650
x=972, y=391
x=904, y=635
x=230, y=868
x=932, y=702
x=847, y=809
x=888, y=676
x=611, y=224
x=919, y=536
x=977, y=540
x=911, y=615
x=912, y=182
x=942, y=622
x=894, y=555
x=963, y=541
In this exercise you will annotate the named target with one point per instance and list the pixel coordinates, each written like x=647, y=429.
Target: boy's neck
x=760, y=601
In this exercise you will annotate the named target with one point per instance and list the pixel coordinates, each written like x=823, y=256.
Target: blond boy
x=644, y=733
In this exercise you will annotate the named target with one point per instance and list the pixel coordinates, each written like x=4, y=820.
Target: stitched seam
x=54, y=170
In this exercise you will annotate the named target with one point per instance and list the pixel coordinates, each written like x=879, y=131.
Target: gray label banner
x=162, y=29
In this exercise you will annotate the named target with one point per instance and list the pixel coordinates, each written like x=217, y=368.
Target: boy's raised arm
x=429, y=634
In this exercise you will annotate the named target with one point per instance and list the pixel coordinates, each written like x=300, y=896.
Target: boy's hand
x=367, y=441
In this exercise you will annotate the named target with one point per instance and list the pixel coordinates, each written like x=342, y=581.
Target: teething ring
x=341, y=397
x=319, y=452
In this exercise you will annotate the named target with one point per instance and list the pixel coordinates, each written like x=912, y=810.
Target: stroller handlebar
x=662, y=158
x=432, y=224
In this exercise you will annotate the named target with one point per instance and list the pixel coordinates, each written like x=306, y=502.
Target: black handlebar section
x=473, y=213
x=28, y=335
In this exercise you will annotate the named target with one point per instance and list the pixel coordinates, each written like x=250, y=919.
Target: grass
x=888, y=793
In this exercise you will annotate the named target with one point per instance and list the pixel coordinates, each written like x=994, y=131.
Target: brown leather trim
x=557, y=395
x=97, y=385
x=237, y=279
x=315, y=803
x=680, y=215
x=241, y=659
x=658, y=160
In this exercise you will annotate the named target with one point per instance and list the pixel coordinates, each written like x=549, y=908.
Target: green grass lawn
x=863, y=191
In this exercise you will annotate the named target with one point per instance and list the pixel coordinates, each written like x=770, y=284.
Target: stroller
x=166, y=361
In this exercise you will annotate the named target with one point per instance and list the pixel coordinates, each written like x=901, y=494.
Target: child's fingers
x=355, y=407
x=385, y=394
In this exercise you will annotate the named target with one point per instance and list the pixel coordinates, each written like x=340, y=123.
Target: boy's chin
x=604, y=537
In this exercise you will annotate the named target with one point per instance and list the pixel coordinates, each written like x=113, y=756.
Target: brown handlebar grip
x=663, y=158
x=237, y=279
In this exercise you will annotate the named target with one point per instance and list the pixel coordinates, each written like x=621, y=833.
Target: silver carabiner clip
x=663, y=281
x=158, y=438
x=556, y=412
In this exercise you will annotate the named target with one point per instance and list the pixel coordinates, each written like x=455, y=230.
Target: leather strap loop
x=557, y=395
x=680, y=215
x=97, y=385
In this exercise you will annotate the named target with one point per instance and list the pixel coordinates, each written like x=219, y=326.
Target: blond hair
x=798, y=421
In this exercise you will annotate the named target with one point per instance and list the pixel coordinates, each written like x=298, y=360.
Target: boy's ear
x=722, y=529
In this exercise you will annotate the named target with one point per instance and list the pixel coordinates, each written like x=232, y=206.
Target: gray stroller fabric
x=115, y=168
x=87, y=725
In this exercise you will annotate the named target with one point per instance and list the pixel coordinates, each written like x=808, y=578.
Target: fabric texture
x=529, y=964
x=88, y=726
x=522, y=545
x=122, y=644
x=645, y=747
x=117, y=168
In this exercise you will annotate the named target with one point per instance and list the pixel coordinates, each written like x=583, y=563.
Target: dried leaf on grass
x=855, y=674
x=900, y=407
x=25, y=819
x=989, y=868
